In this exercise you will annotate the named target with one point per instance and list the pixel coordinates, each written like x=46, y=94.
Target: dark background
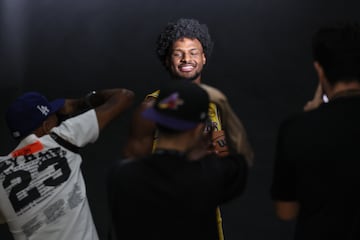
x=261, y=61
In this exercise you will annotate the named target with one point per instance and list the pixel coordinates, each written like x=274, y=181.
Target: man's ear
x=49, y=123
x=46, y=126
x=204, y=58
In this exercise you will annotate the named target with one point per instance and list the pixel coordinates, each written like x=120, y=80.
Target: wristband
x=88, y=98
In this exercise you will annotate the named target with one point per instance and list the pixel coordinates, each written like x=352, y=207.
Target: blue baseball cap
x=181, y=105
x=28, y=112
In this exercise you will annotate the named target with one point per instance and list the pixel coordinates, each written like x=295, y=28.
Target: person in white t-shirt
x=42, y=190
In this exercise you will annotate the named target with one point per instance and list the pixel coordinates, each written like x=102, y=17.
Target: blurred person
x=42, y=190
x=316, y=173
x=173, y=192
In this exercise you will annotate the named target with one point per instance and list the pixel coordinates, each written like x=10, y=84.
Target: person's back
x=44, y=183
x=42, y=190
x=171, y=194
x=166, y=196
x=317, y=159
x=324, y=146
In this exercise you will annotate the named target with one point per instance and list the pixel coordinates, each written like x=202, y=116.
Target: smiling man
x=187, y=59
x=183, y=48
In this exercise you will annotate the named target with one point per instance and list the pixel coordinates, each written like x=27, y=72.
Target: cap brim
x=167, y=121
x=56, y=105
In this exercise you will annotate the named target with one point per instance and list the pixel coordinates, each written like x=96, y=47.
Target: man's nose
x=186, y=57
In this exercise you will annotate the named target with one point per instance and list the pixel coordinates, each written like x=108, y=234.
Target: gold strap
x=219, y=224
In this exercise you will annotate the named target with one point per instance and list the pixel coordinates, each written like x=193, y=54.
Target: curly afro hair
x=189, y=28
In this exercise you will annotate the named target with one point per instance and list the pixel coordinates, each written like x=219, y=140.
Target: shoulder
x=232, y=161
x=149, y=99
x=215, y=94
x=78, y=124
x=294, y=120
x=305, y=121
x=80, y=129
x=154, y=94
x=83, y=119
x=125, y=166
x=125, y=172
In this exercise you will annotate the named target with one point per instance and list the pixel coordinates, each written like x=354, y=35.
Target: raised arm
x=108, y=104
x=141, y=138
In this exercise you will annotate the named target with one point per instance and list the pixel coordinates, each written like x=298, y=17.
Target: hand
x=203, y=147
x=316, y=101
x=220, y=143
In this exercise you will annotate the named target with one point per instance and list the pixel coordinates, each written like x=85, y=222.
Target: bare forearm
x=141, y=135
x=111, y=103
x=73, y=106
x=93, y=99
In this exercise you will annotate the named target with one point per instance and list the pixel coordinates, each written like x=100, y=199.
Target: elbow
x=126, y=97
x=130, y=95
x=286, y=211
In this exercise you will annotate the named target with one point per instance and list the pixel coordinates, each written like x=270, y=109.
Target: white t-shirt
x=42, y=190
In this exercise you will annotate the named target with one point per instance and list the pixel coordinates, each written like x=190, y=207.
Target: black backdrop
x=261, y=61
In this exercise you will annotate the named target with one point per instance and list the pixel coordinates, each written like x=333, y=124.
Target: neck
x=194, y=79
x=197, y=80
x=343, y=88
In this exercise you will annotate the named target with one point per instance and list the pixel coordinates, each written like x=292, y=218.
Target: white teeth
x=187, y=68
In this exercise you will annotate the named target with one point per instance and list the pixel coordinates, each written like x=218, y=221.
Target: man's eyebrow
x=183, y=49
